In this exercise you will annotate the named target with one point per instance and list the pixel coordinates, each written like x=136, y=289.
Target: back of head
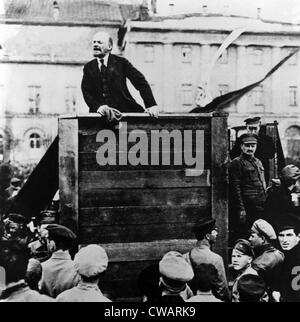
x=203, y=227
x=14, y=259
x=251, y=288
x=62, y=236
x=91, y=261
x=34, y=273
x=206, y=277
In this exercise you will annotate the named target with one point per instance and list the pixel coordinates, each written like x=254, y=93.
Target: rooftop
x=215, y=22
x=66, y=11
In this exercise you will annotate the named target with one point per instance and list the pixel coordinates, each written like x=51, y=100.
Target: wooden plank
x=89, y=180
x=115, y=216
x=88, y=162
x=219, y=192
x=68, y=172
x=135, y=233
x=146, y=251
x=144, y=197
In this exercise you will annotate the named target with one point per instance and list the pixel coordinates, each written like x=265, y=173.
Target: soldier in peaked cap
x=268, y=260
x=90, y=262
x=206, y=234
x=175, y=273
x=265, y=146
x=247, y=185
x=16, y=229
x=241, y=258
x=59, y=273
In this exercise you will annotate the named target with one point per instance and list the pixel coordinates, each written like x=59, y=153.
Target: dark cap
x=252, y=120
x=251, y=286
x=289, y=221
x=204, y=226
x=17, y=218
x=248, y=138
x=244, y=247
x=59, y=231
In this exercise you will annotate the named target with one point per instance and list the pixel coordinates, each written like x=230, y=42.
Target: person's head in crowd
x=16, y=223
x=248, y=144
x=205, y=279
x=242, y=255
x=59, y=237
x=262, y=233
x=148, y=282
x=205, y=229
x=33, y=274
x=289, y=176
x=14, y=259
x=251, y=288
x=253, y=124
x=288, y=234
x=175, y=272
x=90, y=262
x=102, y=44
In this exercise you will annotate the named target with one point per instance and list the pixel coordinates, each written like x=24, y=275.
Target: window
x=293, y=141
x=149, y=53
x=186, y=94
x=70, y=99
x=258, y=94
x=186, y=54
x=34, y=141
x=223, y=89
x=293, y=95
x=257, y=56
x=224, y=58
x=34, y=99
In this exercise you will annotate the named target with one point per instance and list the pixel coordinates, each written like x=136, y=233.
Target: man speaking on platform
x=104, y=82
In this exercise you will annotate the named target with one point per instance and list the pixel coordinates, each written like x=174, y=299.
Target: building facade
x=44, y=45
x=175, y=53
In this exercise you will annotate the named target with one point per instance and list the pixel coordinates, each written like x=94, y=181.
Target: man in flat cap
x=282, y=199
x=90, y=262
x=206, y=234
x=247, y=186
x=268, y=260
x=59, y=273
x=175, y=273
x=289, y=239
x=251, y=288
x=265, y=146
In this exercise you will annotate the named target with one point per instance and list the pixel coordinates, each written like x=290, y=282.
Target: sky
x=280, y=10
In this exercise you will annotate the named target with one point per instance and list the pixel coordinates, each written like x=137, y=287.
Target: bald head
x=102, y=44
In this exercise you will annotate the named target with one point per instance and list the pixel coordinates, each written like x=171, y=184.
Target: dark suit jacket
x=118, y=69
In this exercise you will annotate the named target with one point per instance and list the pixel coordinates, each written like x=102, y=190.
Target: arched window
x=34, y=141
x=293, y=141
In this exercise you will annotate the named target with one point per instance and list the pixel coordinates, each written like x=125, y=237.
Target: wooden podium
x=138, y=212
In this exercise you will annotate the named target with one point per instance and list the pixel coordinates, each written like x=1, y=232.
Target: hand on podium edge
x=153, y=111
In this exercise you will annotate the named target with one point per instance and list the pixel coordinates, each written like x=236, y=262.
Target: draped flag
x=224, y=100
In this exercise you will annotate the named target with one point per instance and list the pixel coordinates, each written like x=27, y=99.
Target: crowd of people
x=40, y=265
